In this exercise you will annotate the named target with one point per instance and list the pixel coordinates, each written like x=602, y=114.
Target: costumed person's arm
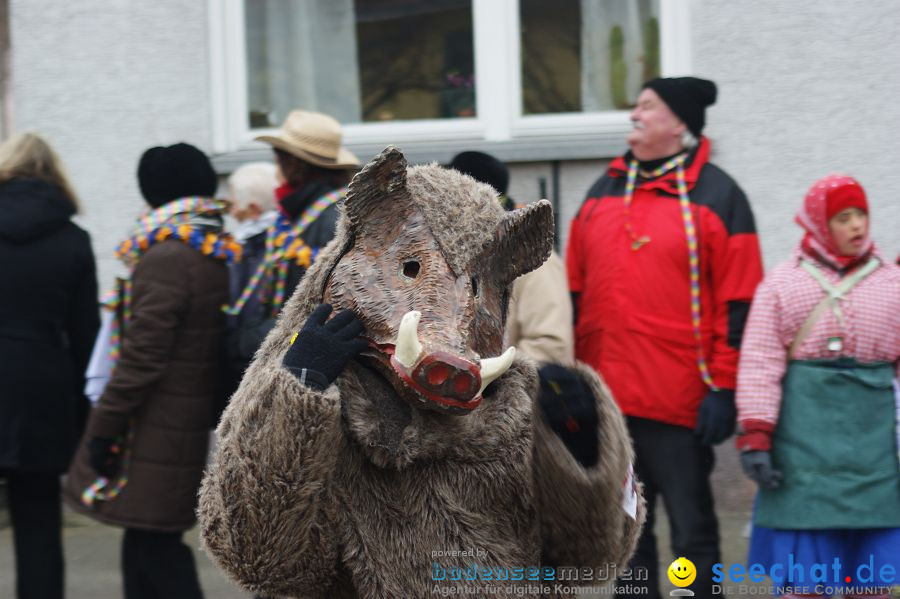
x=735, y=269
x=590, y=509
x=763, y=363
x=543, y=314
x=159, y=302
x=266, y=508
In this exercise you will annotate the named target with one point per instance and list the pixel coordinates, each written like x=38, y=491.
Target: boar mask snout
x=446, y=379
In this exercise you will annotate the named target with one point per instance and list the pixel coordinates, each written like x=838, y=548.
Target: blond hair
x=254, y=183
x=29, y=155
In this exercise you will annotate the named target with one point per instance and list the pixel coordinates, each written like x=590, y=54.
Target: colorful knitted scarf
x=196, y=221
x=284, y=245
x=690, y=231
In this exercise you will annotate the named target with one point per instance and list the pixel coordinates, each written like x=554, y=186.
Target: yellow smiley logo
x=682, y=572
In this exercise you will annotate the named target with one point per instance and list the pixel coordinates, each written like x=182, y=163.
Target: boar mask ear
x=382, y=177
x=522, y=242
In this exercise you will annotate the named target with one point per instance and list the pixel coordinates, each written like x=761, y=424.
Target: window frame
x=5, y=72
x=499, y=125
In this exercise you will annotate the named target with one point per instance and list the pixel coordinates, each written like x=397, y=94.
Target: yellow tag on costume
x=294, y=337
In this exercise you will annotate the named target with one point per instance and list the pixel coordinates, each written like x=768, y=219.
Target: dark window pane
x=586, y=55
x=416, y=59
x=551, y=50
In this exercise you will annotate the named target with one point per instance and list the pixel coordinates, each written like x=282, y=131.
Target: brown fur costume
x=347, y=492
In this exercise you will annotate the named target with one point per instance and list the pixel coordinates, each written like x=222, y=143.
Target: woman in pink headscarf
x=817, y=413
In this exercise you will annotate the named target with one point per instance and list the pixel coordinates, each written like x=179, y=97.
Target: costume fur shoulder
x=429, y=453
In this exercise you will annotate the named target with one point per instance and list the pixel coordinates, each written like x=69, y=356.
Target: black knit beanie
x=169, y=173
x=687, y=97
x=484, y=168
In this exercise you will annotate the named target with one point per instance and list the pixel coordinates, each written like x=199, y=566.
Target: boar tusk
x=408, y=349
x=492, y=368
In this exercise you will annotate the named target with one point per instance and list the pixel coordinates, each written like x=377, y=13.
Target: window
x=586, y=55
x=362, y=60
x=4, y=70
x=440, y=71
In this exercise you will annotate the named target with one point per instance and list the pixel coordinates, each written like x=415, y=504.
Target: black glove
x=104, y=456
x=322, y=349
x=717, y=417
x=758, y=466
x=570, y=409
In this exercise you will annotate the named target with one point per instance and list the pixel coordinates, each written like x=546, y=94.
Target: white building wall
x=103, y=81
x=806, y=88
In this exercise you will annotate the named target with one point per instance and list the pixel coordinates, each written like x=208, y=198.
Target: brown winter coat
x=348, y=492
x=166, y=381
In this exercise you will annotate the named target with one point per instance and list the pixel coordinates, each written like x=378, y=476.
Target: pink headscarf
x=827, y=197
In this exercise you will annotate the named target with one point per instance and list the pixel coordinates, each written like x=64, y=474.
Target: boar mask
x=427, y=265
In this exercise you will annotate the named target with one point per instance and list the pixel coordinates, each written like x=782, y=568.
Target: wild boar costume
x=419, y=447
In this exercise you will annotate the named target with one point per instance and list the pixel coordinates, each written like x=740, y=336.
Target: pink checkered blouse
x=782, y=302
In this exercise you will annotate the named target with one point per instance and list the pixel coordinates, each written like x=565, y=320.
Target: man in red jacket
x=663, y=260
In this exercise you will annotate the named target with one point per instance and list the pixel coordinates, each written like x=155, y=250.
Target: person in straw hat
x=313, y=169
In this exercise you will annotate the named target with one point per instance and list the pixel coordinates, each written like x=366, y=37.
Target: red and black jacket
x=634, y=321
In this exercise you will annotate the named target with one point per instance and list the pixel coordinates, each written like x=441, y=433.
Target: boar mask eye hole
x=475, y=286
x=411, y=269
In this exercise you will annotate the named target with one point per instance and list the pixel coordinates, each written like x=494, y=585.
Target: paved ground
x=92, y=550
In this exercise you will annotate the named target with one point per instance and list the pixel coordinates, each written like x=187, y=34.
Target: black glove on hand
x=570, y=409
x=104, y=456
x=758, y=466
x=322, y=349
x=717, y=417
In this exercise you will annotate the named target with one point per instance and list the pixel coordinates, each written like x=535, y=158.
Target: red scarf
x=282, y=192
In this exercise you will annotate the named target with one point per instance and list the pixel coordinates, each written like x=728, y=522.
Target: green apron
x=835, y=444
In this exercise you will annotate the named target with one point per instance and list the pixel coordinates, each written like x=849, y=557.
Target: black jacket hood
x=31, y=208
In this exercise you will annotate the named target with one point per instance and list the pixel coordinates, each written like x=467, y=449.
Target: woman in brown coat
x=148, y=435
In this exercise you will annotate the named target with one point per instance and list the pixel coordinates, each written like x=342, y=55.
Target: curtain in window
x=301, y=55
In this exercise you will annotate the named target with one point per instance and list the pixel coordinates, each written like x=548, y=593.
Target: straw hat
x=313, y=137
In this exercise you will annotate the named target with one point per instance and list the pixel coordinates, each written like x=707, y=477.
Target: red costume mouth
x=436, y=370
x=450, y=374
x=435, y=377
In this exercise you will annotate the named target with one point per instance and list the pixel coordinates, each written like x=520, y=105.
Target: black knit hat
x=484, y=168
x=687, y=97
x=169, y=173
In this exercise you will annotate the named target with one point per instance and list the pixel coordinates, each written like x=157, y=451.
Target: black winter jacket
x=247, y=330
x=48, y=322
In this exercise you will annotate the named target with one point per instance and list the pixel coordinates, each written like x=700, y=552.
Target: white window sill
x=524, y=148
